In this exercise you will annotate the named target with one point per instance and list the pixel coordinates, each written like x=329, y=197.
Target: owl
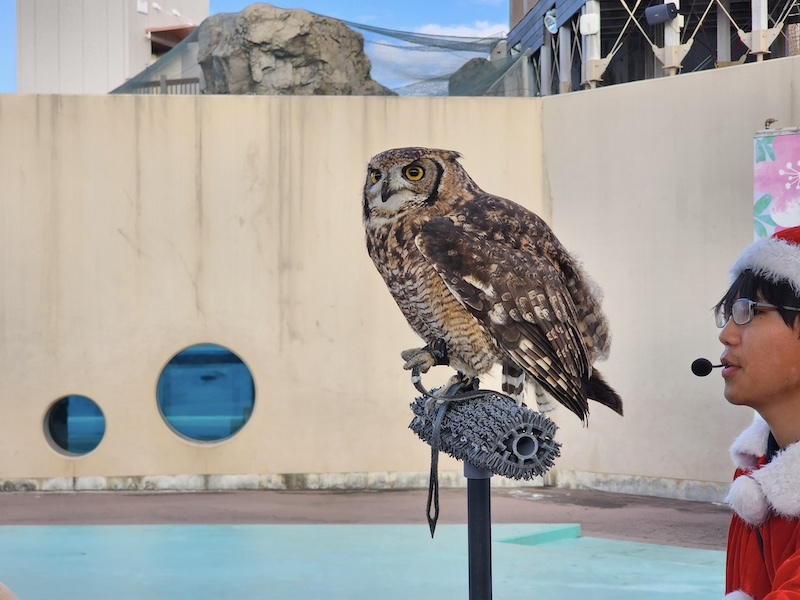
x=485, y=276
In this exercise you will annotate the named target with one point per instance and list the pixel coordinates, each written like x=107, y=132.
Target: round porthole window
x=74, y=425
x=206, y=393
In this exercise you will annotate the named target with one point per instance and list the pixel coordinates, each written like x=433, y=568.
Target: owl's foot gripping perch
x=420, y=360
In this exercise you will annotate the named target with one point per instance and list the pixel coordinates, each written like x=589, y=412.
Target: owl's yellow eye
x=374, y=176
x=413, y=173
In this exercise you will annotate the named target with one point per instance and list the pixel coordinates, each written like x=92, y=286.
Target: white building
x=93, y=46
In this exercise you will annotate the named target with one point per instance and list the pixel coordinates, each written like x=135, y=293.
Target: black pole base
x=479, y=532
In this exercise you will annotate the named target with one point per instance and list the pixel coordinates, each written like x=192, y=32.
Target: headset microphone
x=702, y=367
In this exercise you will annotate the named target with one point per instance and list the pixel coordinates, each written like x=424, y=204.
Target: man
x=760, y=321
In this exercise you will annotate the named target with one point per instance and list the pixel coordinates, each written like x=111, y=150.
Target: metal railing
x=187, y=86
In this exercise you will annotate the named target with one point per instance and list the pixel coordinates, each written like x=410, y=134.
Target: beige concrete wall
x=651, y=183
x=134, y=227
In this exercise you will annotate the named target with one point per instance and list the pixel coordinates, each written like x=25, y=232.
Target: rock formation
x=473, y=78
x=268, y=50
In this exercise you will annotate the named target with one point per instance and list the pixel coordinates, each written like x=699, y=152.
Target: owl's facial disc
x=396, y=190
x=393, y=184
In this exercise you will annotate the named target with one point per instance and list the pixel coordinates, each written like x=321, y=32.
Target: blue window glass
x=206, y=393
x=75, y=424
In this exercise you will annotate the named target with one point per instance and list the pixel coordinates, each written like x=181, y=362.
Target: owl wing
x=518, y=296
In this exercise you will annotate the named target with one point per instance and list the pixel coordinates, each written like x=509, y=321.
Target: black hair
x=758, y=288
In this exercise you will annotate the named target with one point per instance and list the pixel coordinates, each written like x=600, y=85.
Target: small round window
x=74, y=425
x=206, y=393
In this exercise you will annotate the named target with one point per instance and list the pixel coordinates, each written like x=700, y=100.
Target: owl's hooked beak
x=385, y=190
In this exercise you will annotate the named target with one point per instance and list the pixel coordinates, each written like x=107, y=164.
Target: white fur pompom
x=748, y=501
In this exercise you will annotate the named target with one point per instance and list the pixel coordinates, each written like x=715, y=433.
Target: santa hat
x=776, y=259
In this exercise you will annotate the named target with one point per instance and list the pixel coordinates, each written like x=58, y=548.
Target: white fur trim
x=780, y=481
x=773, y=487
x=748, y=501
x=751, y=444
x=772, y=258
x=738, y=595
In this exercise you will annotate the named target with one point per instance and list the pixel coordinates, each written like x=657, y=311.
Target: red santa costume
x=763, y=561
x=763, y=558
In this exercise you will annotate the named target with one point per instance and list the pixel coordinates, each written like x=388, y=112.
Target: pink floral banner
x=776, y=181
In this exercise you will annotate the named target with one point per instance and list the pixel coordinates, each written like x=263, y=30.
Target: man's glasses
x=742, y=311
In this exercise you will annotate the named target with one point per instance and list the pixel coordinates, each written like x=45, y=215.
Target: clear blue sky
x=446, y=17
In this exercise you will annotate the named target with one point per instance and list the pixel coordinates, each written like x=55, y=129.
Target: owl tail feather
x=598, y=390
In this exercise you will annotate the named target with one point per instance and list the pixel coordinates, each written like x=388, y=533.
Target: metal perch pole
x=491, y=435
x=479, y=532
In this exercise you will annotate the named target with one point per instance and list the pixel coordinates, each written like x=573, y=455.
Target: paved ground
x=612, y=516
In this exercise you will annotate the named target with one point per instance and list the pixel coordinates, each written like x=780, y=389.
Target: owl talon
x=419, y=358
x=458, y=383
x=435, y=353
x=456, y=389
